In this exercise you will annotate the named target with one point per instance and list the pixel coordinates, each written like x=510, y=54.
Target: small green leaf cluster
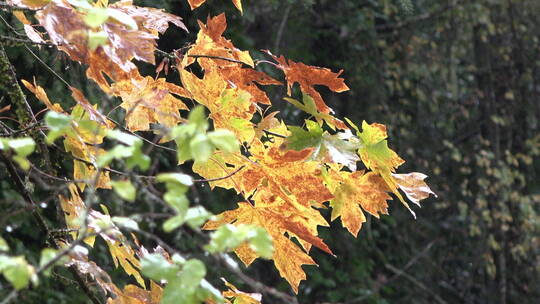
x=194, y=142
x=19, y=272
x=130, y=151
x=228, y=237
x=177, y=185
x=22, y=148
x=185, y=278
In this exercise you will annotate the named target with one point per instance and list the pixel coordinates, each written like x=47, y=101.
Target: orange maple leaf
x=196, y=3
x=211, y=43
x=309, y=76
x=287, y=256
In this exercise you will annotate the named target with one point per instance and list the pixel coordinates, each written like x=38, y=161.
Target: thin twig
x=274, y=134
x=218, y=58
x=29, y=127
x=415, y=282
x=220, y=178
x=47, y=66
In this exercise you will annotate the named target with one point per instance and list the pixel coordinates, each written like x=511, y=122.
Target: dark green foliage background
x=456, y=83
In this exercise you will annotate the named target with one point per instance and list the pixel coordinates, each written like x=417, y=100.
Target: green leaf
x=198, y=118
x=261, y=242
x=96, y=39
x=118, y=152
x=157, y=268
x=201, y=148
x=224, y=140
x=16, y=270
x=96, y=16
x=193, y=271
x=301, y=139
x=183, y=151
x=177, y=199
x=173, y=223
x=47, y=255
x=58, y=125
x=3, y=245
x=55, y=120
x=138, y=159
x=224, y=239
x=228, y=237
x=339, y=148
x=196, y=216
x=125, y=138
x=22, y=148
x=124, y=189
x=125, y=222
x=175, y=178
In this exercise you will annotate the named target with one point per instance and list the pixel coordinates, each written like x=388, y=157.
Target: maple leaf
x=377, y=156
x=355, y=190
x=132, y=294
x=74, y=209
x=229, y=108
x=80, y=260
x=93, y=113
x=149, y=19
x=247, y=80
x=271, y=176
x=309, y=76
x=308, y=105
x=414, y=187
x=28, y=28
x=287, y=256
x=211, y=43
x=240, y=297
x=40, y=94
x=81, y=142
x=148, y=100
x=196, y=3
x=339, y=148
x=121, y=252
x=128, y=32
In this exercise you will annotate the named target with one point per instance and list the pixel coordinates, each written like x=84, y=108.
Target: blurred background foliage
x=457, y=84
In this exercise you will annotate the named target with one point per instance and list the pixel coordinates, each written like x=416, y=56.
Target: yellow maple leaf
x=240, y=297
x=287, y=256
x=355, y=190
x=132, y=294
x=74, y=209
x=196, y=3
x=230, y=109
x=148, y=100
x=40, y=93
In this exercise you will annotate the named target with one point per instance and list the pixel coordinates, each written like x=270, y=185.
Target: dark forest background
x=457, y=84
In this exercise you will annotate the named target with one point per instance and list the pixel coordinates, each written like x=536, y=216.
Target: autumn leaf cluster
x=231, y=138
